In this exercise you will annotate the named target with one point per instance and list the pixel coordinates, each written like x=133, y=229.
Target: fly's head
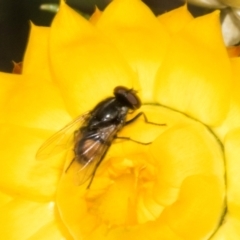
x=127, y=97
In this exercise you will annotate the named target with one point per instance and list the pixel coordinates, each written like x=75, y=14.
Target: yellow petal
x=200, y=205
x=21, y=218
x=85, y=64
x=195, y=76
x=229, y=229
x=24, y=219
x=183, y=151
x=139, y=36
x=164, y=180
x=36, y=58
x=32, y=178
x=35, y=103
x=7, y=82
x=232, y=149
x=150, y=185
x=95, y=16
x=231, y=121
x=176, y=19
x=4, y=199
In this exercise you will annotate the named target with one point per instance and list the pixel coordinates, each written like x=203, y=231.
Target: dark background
x=16, y=14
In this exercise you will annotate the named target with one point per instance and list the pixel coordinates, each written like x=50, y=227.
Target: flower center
x=127, y=181
x=175, y=180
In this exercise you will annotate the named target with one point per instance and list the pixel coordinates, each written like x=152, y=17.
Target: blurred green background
x=15, y=17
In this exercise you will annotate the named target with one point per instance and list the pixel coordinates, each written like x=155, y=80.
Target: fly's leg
x=145, y=118
x=69, y=165
x=129, y=139
x=94, y=172
x=146, y=121
x=96, y=167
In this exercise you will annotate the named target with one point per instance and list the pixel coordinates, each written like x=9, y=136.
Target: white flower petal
x=231, y=3
x=236, y=12
x=208, y=3
x=230, y=27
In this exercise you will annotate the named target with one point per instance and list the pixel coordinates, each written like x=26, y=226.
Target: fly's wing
x=93, y=153
x=61, y=140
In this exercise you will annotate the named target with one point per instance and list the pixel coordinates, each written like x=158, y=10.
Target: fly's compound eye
x=128, y=97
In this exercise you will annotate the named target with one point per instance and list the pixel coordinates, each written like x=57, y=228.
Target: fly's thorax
x=123, y=113
x=108, y=112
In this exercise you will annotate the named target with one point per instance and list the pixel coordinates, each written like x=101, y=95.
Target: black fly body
x=96, y=131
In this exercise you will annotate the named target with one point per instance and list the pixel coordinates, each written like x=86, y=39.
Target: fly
x=96, y=131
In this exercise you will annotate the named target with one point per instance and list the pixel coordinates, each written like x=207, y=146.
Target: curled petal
x=230, y=227
x=228, y=230
x=231, y=121
x=232, y=146
x=194, y=200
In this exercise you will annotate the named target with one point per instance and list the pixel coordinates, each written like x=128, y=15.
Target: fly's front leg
x=145, y=119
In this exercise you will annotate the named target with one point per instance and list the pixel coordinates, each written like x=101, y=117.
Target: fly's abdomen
x=87, y=150
x=94, y=144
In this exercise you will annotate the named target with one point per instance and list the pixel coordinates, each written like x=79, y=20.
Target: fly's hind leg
x=129, y=139
x=97, y=165
x=94, y=172
x=70, y=164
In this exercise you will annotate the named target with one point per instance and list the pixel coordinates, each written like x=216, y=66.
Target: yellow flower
x=184, y=185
